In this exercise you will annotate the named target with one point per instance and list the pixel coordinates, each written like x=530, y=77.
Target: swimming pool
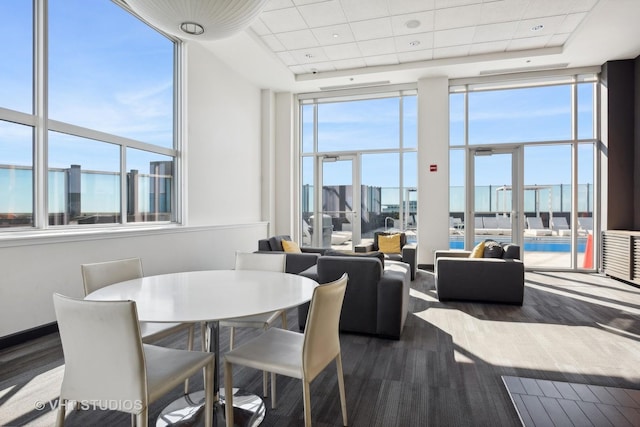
x=534, y=244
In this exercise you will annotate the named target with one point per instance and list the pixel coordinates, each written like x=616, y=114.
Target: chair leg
x=306, y=395
x=208, y=387
x=190, y=348
x=228, y=396
x=265, y=383
x=284, y=319
x=343, y=399
x=273, y=390
x=61, y=412
x=232, y=337
x=142, y=419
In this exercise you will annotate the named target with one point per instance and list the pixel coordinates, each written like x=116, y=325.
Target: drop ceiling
x=303, y=45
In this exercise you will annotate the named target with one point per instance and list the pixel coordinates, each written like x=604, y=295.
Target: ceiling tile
x=277, y=4
x=440, y=4
x=287, y=58
x=377, y=47
x=456, y=17
x=283, y=20
x=503, y=11
x=372, y=61
x=325, y=35
x=488, y=47
x=297, y=39
x=418, y=55
x=259, y=28
x=273, y=43
x=342, y=51
x=347, y=64
x=551, y=25
x=297, y=69
x=302, y=2
x=529, y=43
x=309, y=56
x=323, y=14
x=583, y=5
x=319, y=67
x=558, y=40
x=457, y=36
x=494, y=32
x=398, y=23
x=451, y=52
x=372, y=29
x=571, y=22
x=541, y=8
x=407, y=43
x=357, y=10
x=397, y=7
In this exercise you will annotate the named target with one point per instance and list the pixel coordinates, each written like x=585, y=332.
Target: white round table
x=210, y=296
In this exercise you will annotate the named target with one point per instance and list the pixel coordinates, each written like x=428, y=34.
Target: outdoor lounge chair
x=536, y=228
x=586, y=225
x=559, y=226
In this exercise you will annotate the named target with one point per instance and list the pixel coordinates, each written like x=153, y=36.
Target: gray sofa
x=497, y=280
x=376, y=301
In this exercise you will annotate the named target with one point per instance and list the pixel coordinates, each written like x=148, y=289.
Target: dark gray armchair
x=296, y=262
x=377, y=298
x=499, y=280
x=409, y=251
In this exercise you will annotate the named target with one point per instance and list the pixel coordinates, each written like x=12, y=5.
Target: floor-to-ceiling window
x=87, y=107
x=358, y=166
x=522, y=167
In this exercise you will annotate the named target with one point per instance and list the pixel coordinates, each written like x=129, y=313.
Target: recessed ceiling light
x=414, y=43
x=192, y=28
x=336, y=35
x=412, y=23
x=537, y=27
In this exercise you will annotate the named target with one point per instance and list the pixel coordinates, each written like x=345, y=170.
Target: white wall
x=223, y=153
x=223, y=206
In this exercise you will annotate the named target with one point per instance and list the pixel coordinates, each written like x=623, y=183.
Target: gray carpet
x=445, y=370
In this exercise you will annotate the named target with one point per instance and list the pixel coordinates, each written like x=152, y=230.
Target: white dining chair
x=261, y=262
x=108, y=366
x=295, y=354
x=98, y=275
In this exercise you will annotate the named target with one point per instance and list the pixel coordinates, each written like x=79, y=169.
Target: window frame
x=41, y=125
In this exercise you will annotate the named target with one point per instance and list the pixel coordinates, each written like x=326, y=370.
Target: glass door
x=494, y=206
x=337, y=223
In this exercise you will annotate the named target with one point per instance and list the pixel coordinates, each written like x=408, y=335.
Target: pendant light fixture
x=199, y=19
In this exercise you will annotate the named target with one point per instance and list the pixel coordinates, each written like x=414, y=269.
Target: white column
x=284, y=219
x=268, y=158
x=433, y=152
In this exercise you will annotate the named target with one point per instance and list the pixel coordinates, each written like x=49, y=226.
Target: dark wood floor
x=445, y=370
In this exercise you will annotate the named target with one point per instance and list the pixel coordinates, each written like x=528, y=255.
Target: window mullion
x=40, y=74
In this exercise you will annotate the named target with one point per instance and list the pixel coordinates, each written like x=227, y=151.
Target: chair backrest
x=559, y=223
x=103, y=353
x=586, y=223
x=478, y=222
x=321, y=337
x=101, y=274
x=535, y=223
x=262, y=262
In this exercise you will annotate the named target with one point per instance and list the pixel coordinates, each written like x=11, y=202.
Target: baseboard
x=28, y=335
x=426, y=267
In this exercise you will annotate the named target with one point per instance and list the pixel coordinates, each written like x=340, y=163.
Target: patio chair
x=536, y=228
x=559, y=226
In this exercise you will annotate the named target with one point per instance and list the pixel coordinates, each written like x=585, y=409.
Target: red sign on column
x=433, y=168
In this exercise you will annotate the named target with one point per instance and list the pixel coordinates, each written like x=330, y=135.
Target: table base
x=248, y=410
